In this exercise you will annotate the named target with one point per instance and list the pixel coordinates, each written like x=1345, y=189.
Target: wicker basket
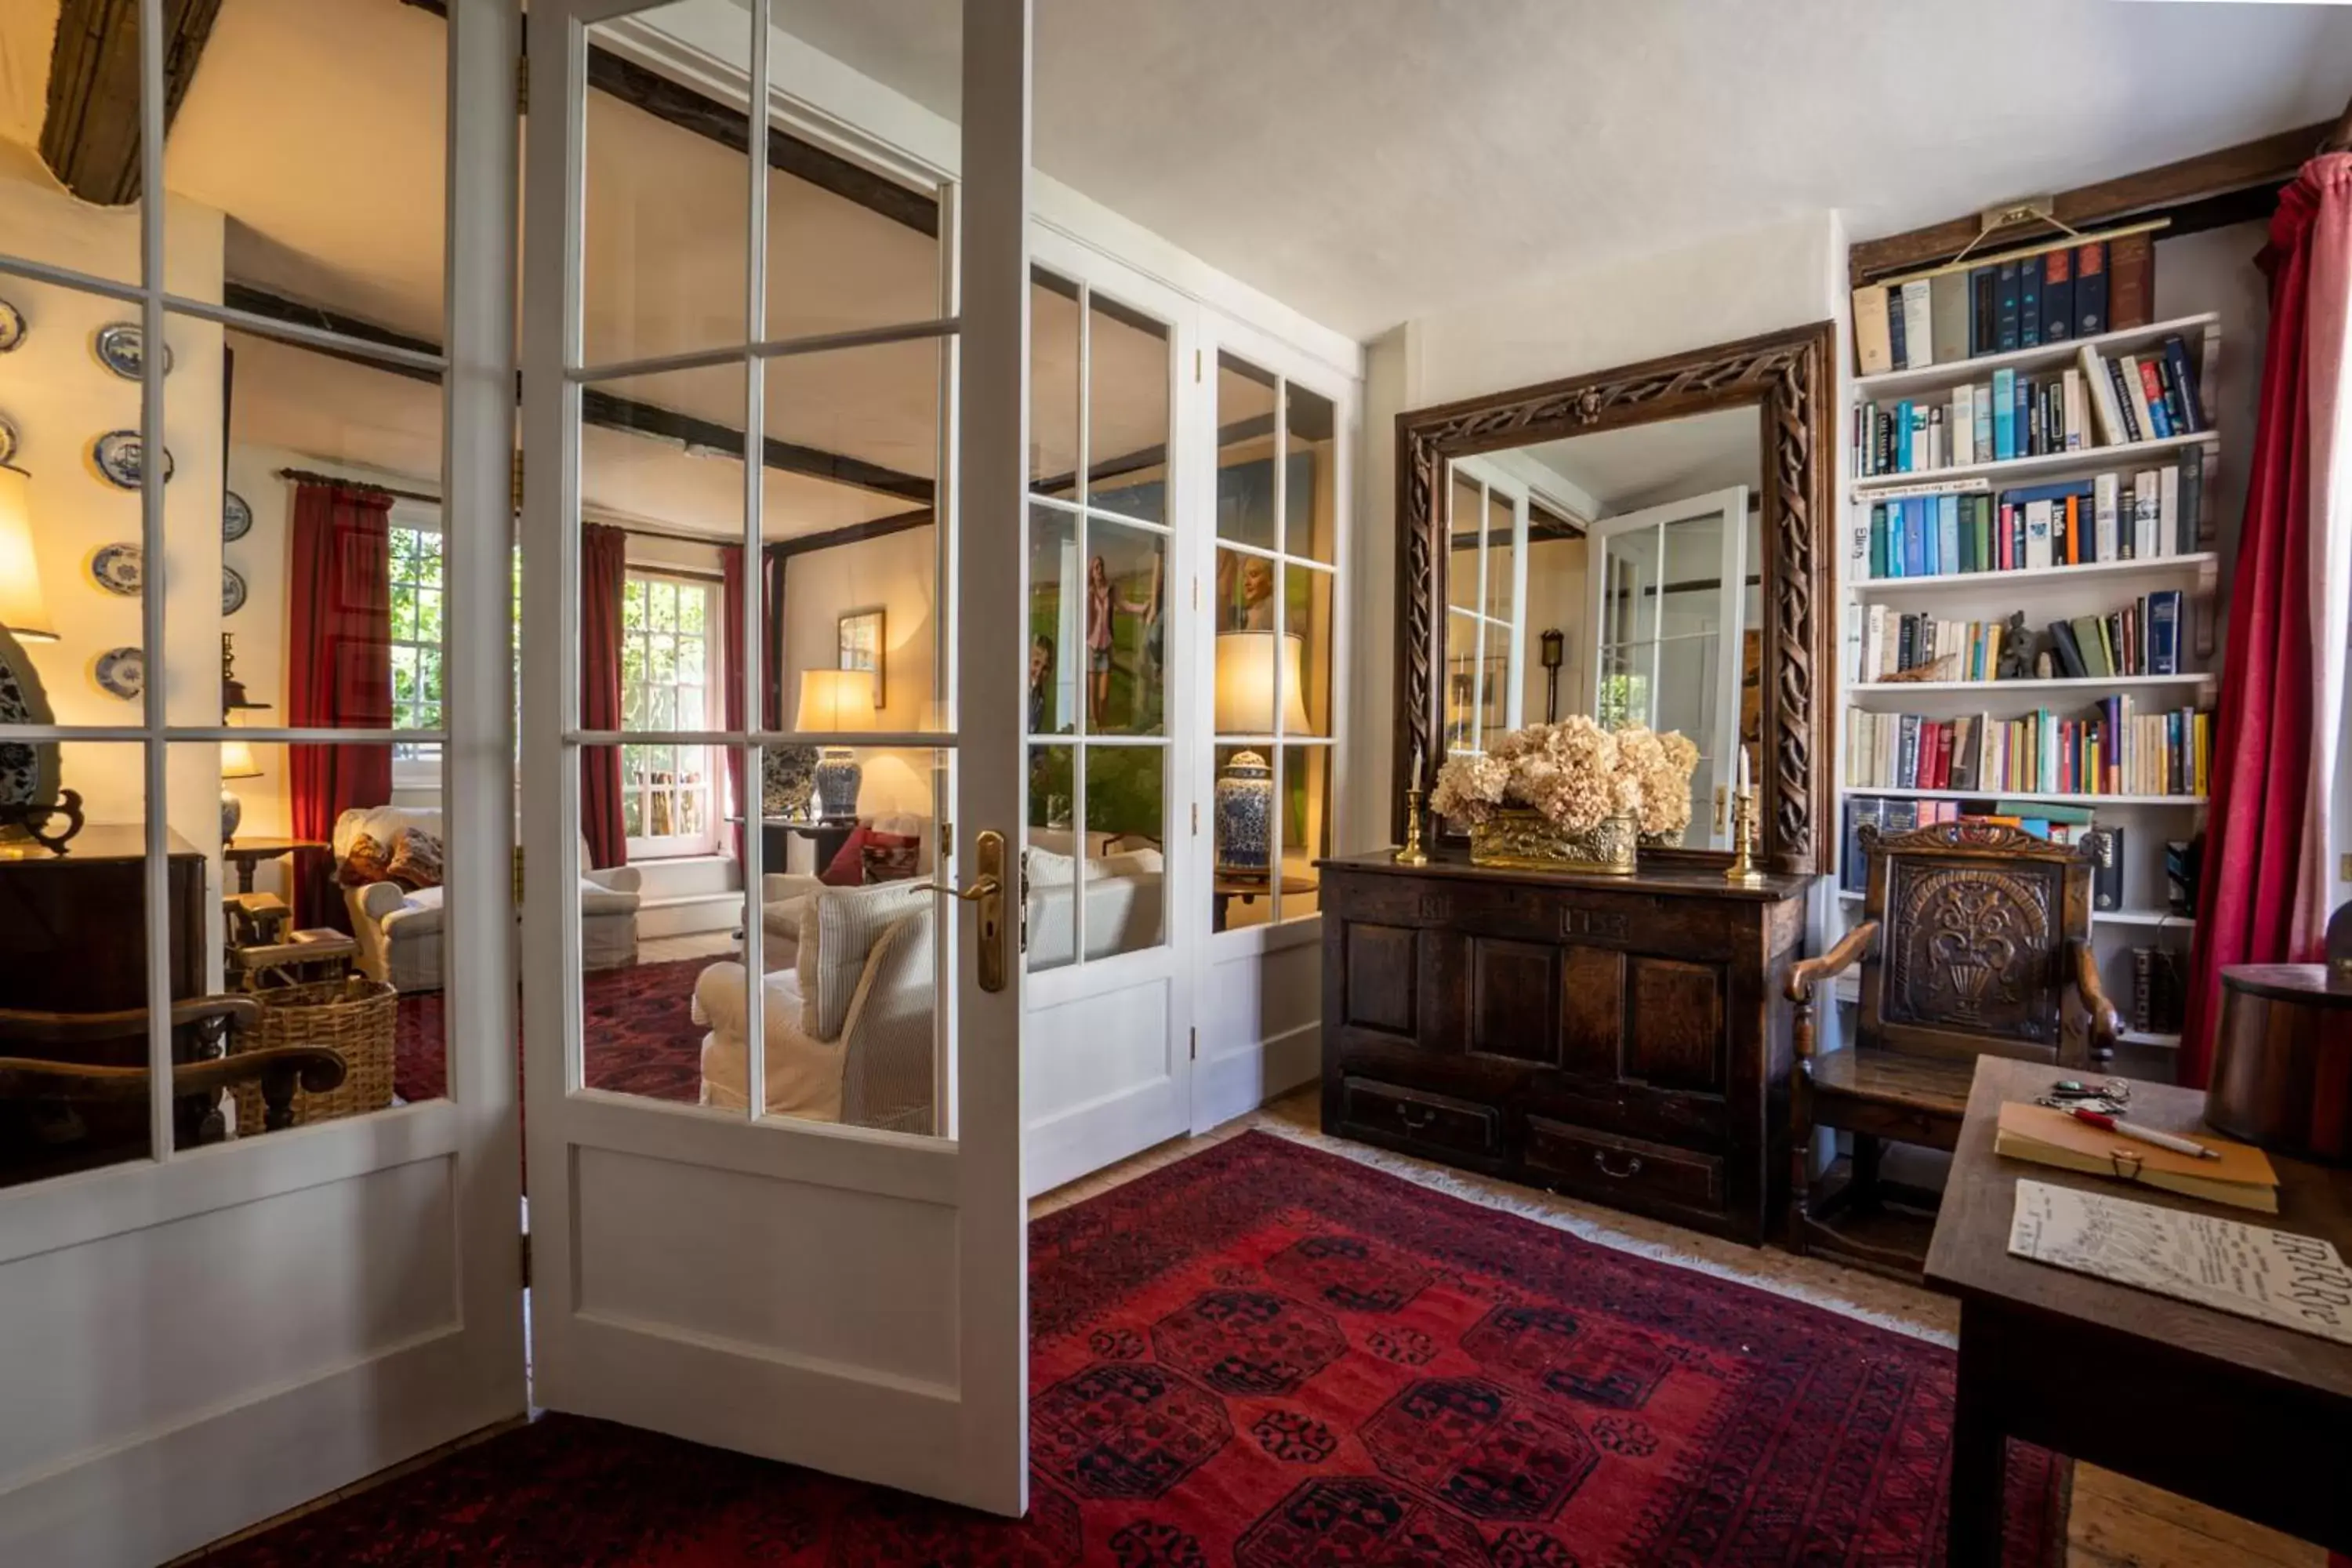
x=353, y=1017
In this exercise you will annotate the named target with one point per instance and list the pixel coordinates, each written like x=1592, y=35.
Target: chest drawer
x=1610, y=1166
x=1416, y=1118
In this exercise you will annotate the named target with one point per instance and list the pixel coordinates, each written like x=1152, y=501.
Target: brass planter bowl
x=1529, y=841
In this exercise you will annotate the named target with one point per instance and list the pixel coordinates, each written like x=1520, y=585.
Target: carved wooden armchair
x=65, y=1062
x=1977, y=936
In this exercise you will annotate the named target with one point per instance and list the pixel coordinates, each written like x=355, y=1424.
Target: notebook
x=2242, y=1178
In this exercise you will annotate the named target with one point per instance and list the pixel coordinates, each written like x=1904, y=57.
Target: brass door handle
x=981, y=888
x=987, y=890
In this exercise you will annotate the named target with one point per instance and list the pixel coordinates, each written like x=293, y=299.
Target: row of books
x=1967, y=528
x=2057, y=824
x=2142, y=637
x=2113, y=750
x=2018, y=301
x=2097, y=402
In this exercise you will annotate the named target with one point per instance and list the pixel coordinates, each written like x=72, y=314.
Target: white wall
x=61, y=399
x=898, y=572
x=1787, y=275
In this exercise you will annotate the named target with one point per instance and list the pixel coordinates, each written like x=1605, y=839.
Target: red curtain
x=2262, y=742
x=604, y=564
x=338, y=626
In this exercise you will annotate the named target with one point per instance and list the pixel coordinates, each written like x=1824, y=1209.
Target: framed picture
x=862, y=640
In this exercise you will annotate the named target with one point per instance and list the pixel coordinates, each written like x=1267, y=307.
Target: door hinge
x=947, y=842
x=525, y=1260
x=1196, y=366
x=1192, y=1045
x=1196, y=819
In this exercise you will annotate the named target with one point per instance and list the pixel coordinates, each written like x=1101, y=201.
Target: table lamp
x=832, y=701
x=236, y=763
x=1246, y=664
x=24, y=611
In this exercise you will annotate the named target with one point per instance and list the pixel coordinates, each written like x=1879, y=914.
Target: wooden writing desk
x=2251, y=1419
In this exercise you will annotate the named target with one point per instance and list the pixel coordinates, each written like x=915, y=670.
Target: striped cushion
x=838, y=930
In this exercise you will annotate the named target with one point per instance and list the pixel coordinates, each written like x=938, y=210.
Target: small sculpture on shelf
x=2016, y=662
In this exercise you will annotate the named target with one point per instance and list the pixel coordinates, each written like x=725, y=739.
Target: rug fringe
x=1585, y=1227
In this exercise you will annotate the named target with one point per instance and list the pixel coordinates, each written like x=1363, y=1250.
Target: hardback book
x=2131, y=280
x=2107, y=868
x=2136, y=398
x=1947, y=533
x=2192, y=501
x=2242, y=1178
x=1915, y=543
x=2151, y=386
x=1874, y=345
x=1878, y=539
x=2102, y=395
x=2058, y=295
x=1981, y=405
x=2070, y=655
x=2181, y=874
x=2175, y=419
x=2091, y=648
x=1918, y=325
x=2075, y=426
x=2167, y=510
x=2145, y=499
x=1984, y=311
x=1937, y=457
x=1948, y=296
x=2004, y=415
x=1852, y=864
x=2029, y=302
x=2184, y=376
x=2005, y=306
x=2037, y=536
x=2107, y=492
x=2164, y=611
x=1898, y=344
x=1915, y=415
x=2090, y=290
x=1963, y=753
x=2025, y=416
x=1960, y=428
x=2133, y=429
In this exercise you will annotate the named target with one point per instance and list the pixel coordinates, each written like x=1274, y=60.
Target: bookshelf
x=2098, y=589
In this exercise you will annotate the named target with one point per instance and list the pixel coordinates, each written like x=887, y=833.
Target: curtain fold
x=731, y=668
x=604, y=564
x=339, y=626
x=2328, y=342
x=2256, y=825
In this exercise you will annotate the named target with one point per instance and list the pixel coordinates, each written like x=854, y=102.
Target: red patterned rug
x=1269, y=1356
x=639, y=1029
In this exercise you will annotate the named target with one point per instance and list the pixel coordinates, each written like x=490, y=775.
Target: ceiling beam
x=90, y=134
x=603, y=409
x=2150, y=193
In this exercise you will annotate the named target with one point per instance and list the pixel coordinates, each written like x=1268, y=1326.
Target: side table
x=244, y=854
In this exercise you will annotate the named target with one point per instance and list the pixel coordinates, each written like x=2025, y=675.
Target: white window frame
x=1492, y=485
x=673, y=845
x=416, y=765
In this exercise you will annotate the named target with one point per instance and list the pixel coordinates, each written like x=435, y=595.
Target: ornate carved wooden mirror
x=1648, y=545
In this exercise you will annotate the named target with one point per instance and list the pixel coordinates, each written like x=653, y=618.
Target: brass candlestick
x=1742, y=868
x=1413, y=854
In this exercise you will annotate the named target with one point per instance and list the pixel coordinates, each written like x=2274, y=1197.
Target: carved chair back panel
x=1973, y=959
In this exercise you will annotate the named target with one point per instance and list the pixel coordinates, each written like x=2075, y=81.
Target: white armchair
x=399, y=932
x=849, y=1030
x=784, y=895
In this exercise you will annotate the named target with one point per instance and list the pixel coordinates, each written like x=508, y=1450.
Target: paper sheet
x=2294, y=1281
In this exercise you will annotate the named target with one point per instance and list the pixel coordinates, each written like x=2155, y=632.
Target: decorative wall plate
x=120, y=349
x=12, y=326
x=237, y=516
x=120, y=672
x=116, y=453
x=117, y=569
x=232, y=590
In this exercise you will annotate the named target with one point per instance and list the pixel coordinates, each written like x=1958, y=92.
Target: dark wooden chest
x=1621, y=1039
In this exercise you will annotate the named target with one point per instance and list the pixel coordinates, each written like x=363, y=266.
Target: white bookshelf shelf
x=1940, y=698
x=2079, y=461
x=2202, y=568
x=1951, y=372
x=2036, y=798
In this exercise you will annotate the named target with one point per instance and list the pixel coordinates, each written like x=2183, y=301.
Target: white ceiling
x=1367, y=162
x=1647, y=465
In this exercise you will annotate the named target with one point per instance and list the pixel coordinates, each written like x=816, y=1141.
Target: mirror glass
x=1615, y=574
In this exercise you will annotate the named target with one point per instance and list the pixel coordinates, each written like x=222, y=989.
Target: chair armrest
x=617, y=879
x=2106, y=1023
x=378, y=900
x=1808, y=972
x=775, y=887
x=78, y=1028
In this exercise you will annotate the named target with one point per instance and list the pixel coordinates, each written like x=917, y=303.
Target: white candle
x=1416, y=765
x=1743, y=771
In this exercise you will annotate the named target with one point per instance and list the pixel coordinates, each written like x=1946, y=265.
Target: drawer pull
x=1415, y=1120
x=1601, y=1164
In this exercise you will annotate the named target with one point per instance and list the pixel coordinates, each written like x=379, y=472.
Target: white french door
x=1668, y=606
x=839, y=1281
x=204, y=1320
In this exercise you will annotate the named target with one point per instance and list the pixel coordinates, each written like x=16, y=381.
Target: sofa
x=849, y=1018
x=399, y=928
x=784, y=895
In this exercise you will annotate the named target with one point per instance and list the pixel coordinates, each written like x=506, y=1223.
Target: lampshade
x=836, y=700
x=236, y=761
x=23, y=610
x=1245, y=685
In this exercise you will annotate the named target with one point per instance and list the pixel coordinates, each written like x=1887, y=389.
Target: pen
x=2145, y=1134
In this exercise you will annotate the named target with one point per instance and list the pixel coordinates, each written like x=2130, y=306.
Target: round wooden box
x=2283, y=1061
